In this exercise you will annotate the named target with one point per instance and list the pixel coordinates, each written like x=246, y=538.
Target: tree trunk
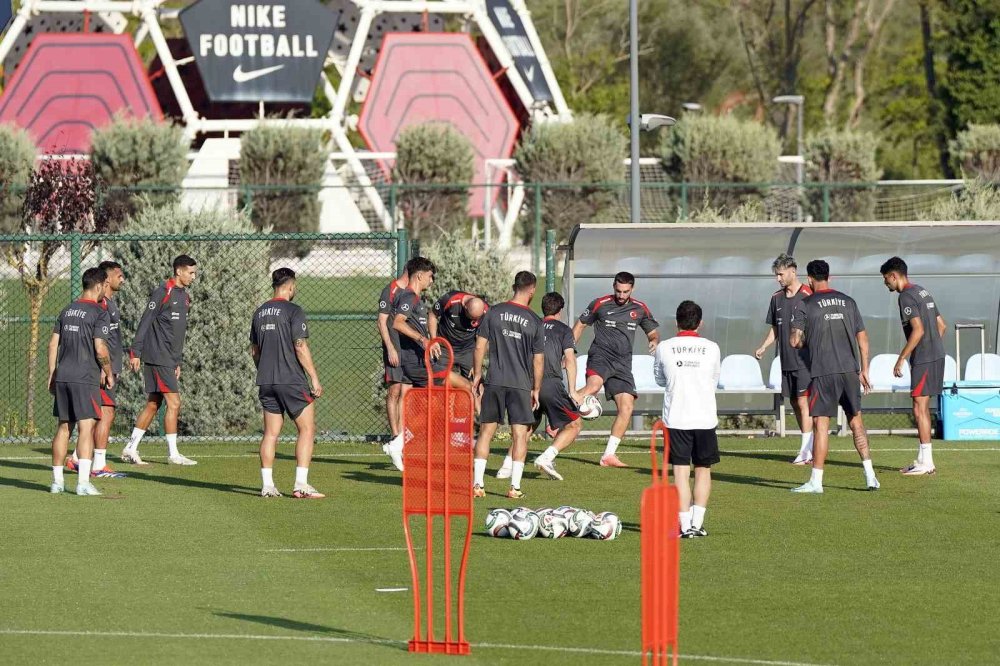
x=933, y=102
x=36, y=295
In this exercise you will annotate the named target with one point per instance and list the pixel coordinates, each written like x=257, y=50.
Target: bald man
x=455, y=317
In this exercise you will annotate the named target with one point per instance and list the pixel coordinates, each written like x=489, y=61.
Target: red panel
x=67, y=85
x=438, y=77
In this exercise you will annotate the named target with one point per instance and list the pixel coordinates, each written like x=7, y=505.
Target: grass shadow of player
x=368, y=477
x=740, y=479
x=786, y=458
x=21, y=483
x=194, y=483
x=314, y=629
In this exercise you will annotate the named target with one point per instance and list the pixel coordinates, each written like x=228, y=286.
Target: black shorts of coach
x=160, y=379
x=616, y=374
x=829, y=391
x=927, y=379
x=291, y=399
x=700, y=447
x=76, y=402
x=109, y=396
x=500, y=401
x=462, y=365
x=415, y=372
x=795, y=383
x=554, y=401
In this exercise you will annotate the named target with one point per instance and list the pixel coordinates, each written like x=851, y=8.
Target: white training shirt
x=688, y=366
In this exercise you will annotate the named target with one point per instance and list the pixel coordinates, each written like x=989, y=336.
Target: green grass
x=903, y=576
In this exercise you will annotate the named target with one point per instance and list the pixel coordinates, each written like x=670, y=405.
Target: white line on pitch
x=384, y=641
x=329, y=550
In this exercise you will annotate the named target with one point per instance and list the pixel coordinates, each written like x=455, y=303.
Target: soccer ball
x=580, y=522
x=591, y=408
x=497, y=521
x=543, y=512
x=523, y=525
x=606, y=526
x=553, y=526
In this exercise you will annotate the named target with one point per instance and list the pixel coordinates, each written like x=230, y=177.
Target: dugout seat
x=974, y=370
x=741, y=374
x=774, y=377
x=642, y=371
x=881, y=377
x=950, y=369
x=581, y=370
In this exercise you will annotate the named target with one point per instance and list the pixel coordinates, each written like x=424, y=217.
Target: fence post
x=402, y=245
x=684, y=200
x=550, y=260
x=536, y=236
x=826, y=202
x=74, y=263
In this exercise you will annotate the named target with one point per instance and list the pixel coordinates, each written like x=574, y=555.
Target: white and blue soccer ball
x=591, y=408
x=580, y=522
x=523, y=525
x=553, y=526
x=497, y=521
x=606, y=526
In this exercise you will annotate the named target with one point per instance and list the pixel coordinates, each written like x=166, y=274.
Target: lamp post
x=692, y=107
x=798, y=101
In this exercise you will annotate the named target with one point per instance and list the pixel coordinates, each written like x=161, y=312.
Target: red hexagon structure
x=438, y=77
x=67, y=85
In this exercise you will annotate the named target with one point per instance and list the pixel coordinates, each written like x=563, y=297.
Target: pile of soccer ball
x=523, y=523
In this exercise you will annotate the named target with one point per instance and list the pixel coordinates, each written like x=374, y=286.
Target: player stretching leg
x=455, y=317
x=560, y=406
x=794, y=363
x=609, y=362
x=159, y=344
x=279, y=343
x=79, y=364
x=101, y=470
x=512, y=334
x=924, y=329
x=829, y=325
x=390, y=359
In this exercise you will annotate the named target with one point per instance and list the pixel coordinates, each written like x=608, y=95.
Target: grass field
x=187, y=565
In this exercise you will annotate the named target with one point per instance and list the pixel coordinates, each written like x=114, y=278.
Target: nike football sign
x=259, y=52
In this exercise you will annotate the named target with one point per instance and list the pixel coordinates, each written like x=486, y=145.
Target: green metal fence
x=340, y=280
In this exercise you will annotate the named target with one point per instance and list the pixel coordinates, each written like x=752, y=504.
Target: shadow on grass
x=315, y=629
x=21, y=483
x=787, y=459
x=368, y=477
x=194, y=483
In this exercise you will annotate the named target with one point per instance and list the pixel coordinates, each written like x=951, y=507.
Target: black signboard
x=511, y=29
x=259, y=52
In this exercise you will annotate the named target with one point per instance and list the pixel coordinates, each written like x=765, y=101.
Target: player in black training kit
x=609, y=363
x=512, y=334
x=159, y=345
x=393, y=374
x=455, y=317
x=287, y=381
x=829, y=325
x=79, y=365
x=924, y=329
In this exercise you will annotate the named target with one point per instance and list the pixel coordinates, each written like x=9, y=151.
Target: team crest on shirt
x=633, y=314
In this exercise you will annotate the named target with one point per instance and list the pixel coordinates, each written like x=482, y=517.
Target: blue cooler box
x=970, y=410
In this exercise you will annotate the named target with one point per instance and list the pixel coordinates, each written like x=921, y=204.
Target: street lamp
x=693, y=107
x=798, y=101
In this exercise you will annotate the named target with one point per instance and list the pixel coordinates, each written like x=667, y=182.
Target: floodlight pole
x=633, y=56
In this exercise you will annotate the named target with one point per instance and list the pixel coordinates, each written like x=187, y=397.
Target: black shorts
x=828, y=391
x=500, y=401
x=559, y=408
x=795, y=383
x=927, y=378
x=160, y=379
x=616, y=375
x=109, y=396
x=698, y=446
x=76, y=402
x=289, y=399
x=392, y=374
x=415, y=372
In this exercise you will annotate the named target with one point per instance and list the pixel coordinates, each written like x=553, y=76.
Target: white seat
x=881, y=377
x=741, y=372
x=974, y=367
x=774, y=377
x=642, y=372
x=950, y=369
x=581, y=371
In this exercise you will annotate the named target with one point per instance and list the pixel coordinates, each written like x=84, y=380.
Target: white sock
x=57, y=474
x=697, y=516
x=925, y=457
x=133, y=441
x=806, y=449
x=869, y=470
x=516, y=471
x=301, y=476
x=85, y=467
x=172, y=444
x=266, y=477
x=612, y=446
x=100, y=458
x=685, y=520
x=74, y=456
x=507, y=462
x=550, y=454
x=479, y=471
x=817, y=477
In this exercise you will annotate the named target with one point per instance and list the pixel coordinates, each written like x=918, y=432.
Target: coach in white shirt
x=688, y=367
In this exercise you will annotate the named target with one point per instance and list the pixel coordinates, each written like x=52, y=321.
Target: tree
x=971, y=39
x=979, y=200
x=433, y=154
x=843, y=156
x=977, y=151
x=460, y=265
x=17, y=156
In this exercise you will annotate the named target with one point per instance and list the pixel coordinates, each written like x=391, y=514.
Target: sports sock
x=100, y=458
x=266, y=476
x=57, y=474
x=172, y=444
x=516, y=471
x=479, y=469
x=133, y=441
x=685, y=520
x=301, y=476
x=612, y=446
x=806, y=449
x=925, y=457
x=85, y=467
x=550, y=453
x=74, y=456
x=817, y=477
x=697, y=516
x=507, y=461
x=869, y=470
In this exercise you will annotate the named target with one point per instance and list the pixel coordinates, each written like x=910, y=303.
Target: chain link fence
x=340, y=277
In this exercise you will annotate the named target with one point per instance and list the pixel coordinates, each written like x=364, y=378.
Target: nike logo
x=241, y=77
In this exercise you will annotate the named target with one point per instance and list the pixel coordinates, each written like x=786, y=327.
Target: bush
x=752, y=211
x=979, y=200
x=218, y=373
x=720, y=149
x=138, y=153
x=433, y=154
x=977, y=151
x=17, y=157
x=461, y=266
x=584, y=153
x=834, y=156
x=271, y=157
